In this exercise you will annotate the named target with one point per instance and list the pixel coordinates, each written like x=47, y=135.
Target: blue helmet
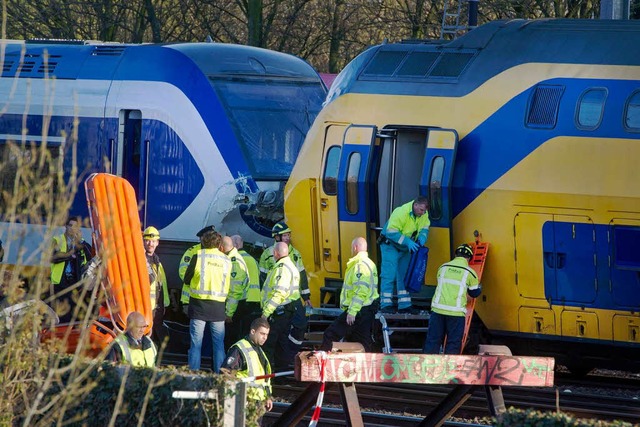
x=280, y=228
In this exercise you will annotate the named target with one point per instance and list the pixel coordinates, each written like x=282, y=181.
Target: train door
x=556, y=258
x=528, y=249
x=329, y=233
x=132, y=154
x=409, y=162
x=624, y=265
x=435, y=182
x=353, y=189
x=569, y=250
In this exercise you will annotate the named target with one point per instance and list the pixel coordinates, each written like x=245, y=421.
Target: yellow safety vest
x=281, y=287
x=182, y=269
x=211, y=277
x=454, y=278
x=58, y=268
x=241, y=287
x=253, y=292
x=402, y=224
x=137, y=357
x=258, y=389
x=267, y=261
x=360, y=286
x=161, y=278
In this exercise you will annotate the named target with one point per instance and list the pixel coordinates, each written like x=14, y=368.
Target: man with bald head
x=358, y=300
x=243, y=301
x=133, y=346
x=280, y=298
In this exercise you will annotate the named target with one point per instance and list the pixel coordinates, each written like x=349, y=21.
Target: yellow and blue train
x=526, y=131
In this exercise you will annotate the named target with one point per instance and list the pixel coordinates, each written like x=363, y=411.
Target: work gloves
x=422, y=239
x=412, y=246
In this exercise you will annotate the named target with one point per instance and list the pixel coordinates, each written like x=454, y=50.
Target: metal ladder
x=387, y=330
x=451, y=20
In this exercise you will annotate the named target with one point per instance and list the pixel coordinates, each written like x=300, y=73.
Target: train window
x=627, y=256
x=543, y=107
x=417, y=64
x=330, y=176
x=435, y=188
x=590, y=108
x=632, y=112
x=384, y=63
x=353, y=172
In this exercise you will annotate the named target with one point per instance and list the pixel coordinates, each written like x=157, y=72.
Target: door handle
x=112, y=154
x=323, y=203
x=561, y=259
x=550, y=259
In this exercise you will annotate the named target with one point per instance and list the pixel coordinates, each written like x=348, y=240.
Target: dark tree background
x=327, y=33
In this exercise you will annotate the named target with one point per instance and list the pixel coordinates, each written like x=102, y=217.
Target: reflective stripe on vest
x=208, y=288
x=258, y=388
x=253, y=291
x=460, y=307
x=58, y=268
x=136, y=357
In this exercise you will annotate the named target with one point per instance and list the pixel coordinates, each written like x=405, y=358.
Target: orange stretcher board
x=480, y=251
x=117, y=235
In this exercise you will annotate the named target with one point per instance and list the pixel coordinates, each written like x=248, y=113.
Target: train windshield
x=270, y=119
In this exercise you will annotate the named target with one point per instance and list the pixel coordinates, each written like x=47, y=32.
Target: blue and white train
x=207, y=133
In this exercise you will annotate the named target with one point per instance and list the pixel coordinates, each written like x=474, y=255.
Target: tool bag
x=414, y=279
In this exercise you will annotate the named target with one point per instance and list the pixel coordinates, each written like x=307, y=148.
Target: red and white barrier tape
x=316, y=413
x=263, y=377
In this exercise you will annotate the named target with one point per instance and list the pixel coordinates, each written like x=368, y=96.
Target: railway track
x=592, y=397
x=419, y=400
x=335, y=417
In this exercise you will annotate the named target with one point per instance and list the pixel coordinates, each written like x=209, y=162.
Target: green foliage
x=531, y=418
x=122, y=396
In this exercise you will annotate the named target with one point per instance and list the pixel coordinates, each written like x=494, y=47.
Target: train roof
x=96, y=60
x=459, y=66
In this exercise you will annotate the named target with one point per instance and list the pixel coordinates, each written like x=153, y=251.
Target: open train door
x=436, y=183
x=354, y=202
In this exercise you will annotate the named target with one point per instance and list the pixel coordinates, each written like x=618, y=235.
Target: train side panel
x=543, y=170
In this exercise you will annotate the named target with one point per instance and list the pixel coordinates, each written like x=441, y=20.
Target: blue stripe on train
x=503, y=140
x=174, y=178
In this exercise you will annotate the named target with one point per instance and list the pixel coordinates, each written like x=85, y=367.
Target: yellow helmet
x=150, y=233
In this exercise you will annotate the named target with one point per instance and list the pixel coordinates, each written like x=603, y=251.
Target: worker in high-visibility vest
x=246, y=359
x=133, y=346
x=406, y=230
x=456, y=280
x=184, y=263
x=158, y=280
x=280, y=299
x=358, y=300
x=243, y=301
x=71, y=254
x=282, y=233
x=209, y=279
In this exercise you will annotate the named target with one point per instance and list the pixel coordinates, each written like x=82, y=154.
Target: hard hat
x=205, y=230
x=150, y=233
x=464, y=250
x=280, y=228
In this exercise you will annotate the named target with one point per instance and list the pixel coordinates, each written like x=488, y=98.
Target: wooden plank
x=427, y=369
x=351, y=405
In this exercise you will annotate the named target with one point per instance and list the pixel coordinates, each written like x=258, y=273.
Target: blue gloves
x=412, y=246
x=422, y=239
